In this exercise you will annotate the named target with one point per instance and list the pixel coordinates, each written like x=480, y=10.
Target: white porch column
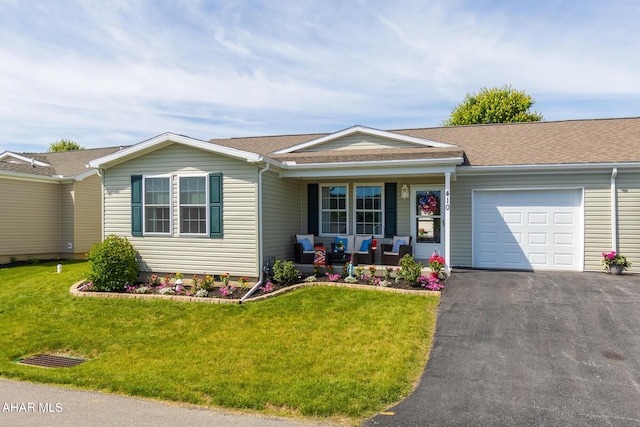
x=447, y=217
x=614, y=211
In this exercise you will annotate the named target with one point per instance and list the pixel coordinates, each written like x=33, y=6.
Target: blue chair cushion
x=396, y=246
x=365, y=245
x=306, y=245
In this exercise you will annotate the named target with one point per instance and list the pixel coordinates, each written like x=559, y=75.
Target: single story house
x=50, y=205
x=530, y=196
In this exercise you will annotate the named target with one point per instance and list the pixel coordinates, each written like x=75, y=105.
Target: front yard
x=320, y=351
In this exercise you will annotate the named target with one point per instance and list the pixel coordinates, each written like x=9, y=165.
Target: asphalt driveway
x=517, y=348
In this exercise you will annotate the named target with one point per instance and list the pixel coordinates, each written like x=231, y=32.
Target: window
x=428, y=216
x=200, y=205
x=157, y=205
x=368, y=209
x=333, y=208
x=193, y=205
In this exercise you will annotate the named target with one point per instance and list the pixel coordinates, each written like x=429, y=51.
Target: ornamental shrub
x=285, y=273
x=410, y=270
x=113, y=264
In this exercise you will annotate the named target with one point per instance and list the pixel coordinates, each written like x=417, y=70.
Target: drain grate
x=612, y=356
x=51, y=361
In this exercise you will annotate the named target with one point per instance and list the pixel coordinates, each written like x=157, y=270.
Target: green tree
x=64, y=145
x=496, y=105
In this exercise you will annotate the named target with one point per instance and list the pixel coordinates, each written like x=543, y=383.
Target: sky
x=106, y=73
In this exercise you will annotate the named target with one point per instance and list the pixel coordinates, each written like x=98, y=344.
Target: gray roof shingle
x=63, y=163
x=559, y=142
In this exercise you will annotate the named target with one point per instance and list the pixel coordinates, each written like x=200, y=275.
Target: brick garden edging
x=75, y=292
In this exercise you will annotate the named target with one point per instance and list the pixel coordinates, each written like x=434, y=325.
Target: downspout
x=60, y=254
x=614, y=211
x=260, y=236
x=102, y=213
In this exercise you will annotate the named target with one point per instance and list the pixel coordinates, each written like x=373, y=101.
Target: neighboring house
x=543, y=196
x=50, y=205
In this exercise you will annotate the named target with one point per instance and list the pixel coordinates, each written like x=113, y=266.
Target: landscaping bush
x=113, y=264
x=285, y=273
x=410, y=270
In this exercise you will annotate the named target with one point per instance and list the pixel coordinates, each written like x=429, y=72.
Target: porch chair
x=303, y=249
x=358, y=246
x=393, y=252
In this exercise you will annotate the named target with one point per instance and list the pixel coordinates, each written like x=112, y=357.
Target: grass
x=321, y=351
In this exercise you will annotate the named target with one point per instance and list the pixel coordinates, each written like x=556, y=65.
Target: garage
x=528, y=229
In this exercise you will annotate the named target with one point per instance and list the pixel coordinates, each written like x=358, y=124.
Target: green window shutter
x=390, y=209
x=313, y=213
x=136, y=205
x=215, y=205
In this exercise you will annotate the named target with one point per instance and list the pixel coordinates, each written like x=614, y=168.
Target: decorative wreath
x=428, y=204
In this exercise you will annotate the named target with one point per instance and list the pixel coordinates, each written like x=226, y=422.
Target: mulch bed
x=240, y=292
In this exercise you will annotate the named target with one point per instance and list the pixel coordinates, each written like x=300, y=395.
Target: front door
x=426, y=227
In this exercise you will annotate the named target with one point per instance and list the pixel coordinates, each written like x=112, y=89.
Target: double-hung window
x=368, y=209
x=193, y=205
x=199, y=205
x=333, y=209
x=157, y=205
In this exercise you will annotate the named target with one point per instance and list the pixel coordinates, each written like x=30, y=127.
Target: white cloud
x=109, y=73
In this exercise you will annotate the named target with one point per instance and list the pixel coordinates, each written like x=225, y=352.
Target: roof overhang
x=24, y=159
x=371, y=169
x=545, y=168
x=167, y=139
x=55, y=179
x=368, y=131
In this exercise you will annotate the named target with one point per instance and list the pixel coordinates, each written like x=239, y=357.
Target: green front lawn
x=318, y=351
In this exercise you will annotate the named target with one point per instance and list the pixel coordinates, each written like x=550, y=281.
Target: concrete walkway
x=24, y=404
x=530, y=349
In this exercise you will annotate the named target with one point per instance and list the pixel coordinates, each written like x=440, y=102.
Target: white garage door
x=528, y=230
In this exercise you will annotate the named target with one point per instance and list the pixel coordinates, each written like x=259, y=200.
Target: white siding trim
x=370, y=131
x=614, y=211
x=168, y=138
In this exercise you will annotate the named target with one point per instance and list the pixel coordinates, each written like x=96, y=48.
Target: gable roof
x=55, y=165
x=598, y=142
x=165, y=139
x=532, y=143
x=314, y=143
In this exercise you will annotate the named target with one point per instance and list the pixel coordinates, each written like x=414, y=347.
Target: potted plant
x=614, y=262
x=340, y=246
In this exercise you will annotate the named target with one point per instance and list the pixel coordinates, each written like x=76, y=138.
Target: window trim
x=144, y=205
x=321, y=210
x=380, y=231
x=205, y=206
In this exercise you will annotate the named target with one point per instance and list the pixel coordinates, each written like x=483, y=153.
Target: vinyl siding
x=88, y=227
x=597, y=208
x=282, y=215
x=236, y=253
x=29, y=219
x=359, y=141
x=628, y=198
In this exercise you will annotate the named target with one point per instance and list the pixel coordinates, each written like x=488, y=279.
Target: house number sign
x=446, y=199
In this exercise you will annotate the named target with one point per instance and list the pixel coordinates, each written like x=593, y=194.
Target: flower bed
x=408, y=276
